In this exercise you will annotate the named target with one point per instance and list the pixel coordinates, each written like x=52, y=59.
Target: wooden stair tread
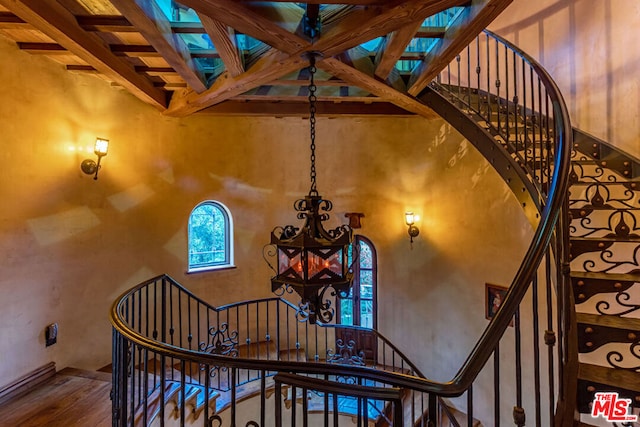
x=602, y=208
x=631, y=183
x=622, y=378
x=618, y=322
x=258, y=350
x=595, y=275
x=606, y=239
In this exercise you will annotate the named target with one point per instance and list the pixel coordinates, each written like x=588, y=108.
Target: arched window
x=210, y=237
x=359, y=309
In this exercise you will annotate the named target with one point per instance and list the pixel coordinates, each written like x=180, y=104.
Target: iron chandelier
x=311, y=260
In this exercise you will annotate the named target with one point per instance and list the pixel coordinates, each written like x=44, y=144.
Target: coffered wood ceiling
x=247, y=57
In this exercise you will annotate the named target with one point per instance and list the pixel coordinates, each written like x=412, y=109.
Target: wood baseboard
x=27, y=382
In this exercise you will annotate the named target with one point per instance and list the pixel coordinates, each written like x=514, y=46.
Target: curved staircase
x=605, y=270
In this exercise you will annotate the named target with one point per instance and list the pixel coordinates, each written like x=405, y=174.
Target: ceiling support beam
x=376, y=87
x=364, y=24
x=342, y=34
x=270, y=66
x=393, y=48
x=245, y=20
x=224, y=40
x=59, y=24
x=152, y=23
x=460, y=33
x=290, y=108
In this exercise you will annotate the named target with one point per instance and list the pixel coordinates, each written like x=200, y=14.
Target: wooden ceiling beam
x=364, y=24
x=245, y=20
x=152, y=23
x=59, y=24
x=376, y=87
x=393, y=47
x=224, y=40
x=431, y=32
x=301, y=109
x=304, y=98
x=106, y=23
x=10, y=21
x=460, y=33
x=351, y=2
x=270, y=66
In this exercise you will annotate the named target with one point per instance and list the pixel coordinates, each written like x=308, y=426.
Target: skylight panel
x=444, y=18
x=175, y=12
x=372, y=45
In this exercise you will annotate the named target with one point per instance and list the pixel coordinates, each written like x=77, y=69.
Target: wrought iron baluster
x=470, y=406
x=549, y=336
x=496, y=385
x=478, y=72
x=536, y=348
x=525, y=121
x=163, y=382
x=183, y=393
x=518, y=351
x=516, y=107
x=507, y=130
x=233, y=381
x=498, y=84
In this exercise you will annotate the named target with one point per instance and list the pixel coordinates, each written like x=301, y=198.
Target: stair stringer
x=512, y=173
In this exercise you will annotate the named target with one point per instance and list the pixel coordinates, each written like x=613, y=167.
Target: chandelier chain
x=312, y=122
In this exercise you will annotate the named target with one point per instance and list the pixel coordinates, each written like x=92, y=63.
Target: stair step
x=627, y=184
x=618, y=378
x=596, y=222
x=595, y=331
x=612, y=158
x=627, y=323
x=594, y=378
x=154, y=402
x=200, y=402
x=588, y=284
x=581, y=245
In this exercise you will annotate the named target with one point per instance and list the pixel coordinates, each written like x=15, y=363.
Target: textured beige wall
x=70, y=245
x=591, y=49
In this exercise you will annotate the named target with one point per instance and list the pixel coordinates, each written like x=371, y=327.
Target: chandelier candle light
x=311, y=260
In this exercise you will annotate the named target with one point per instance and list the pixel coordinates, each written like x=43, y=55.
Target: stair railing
x=163, y=335
x=174, y=341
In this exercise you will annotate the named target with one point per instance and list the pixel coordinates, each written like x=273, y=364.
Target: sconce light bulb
x=102, y=147
x=409, y=218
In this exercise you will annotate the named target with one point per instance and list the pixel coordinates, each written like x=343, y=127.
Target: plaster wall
x=592, y=52
x=70, y=245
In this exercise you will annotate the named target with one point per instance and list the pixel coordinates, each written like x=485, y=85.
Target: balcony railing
x=178, y=359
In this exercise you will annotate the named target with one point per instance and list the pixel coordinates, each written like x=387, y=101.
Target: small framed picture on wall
x=494, y=296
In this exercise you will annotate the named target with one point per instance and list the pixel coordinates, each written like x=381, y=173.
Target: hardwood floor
x=71, y=398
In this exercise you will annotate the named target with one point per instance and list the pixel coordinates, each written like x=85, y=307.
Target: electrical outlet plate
x=51, y=334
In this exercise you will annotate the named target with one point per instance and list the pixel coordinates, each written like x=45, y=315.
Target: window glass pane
x=366, y=277
x=366, y=314
x=346, y=311
x=208, y=230
x=366, y=260
x=366, y=291
x=361, y=295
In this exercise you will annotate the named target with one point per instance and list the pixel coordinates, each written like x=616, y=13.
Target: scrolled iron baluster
x=616, y=358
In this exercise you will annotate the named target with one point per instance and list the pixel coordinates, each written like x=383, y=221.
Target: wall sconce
x=410, y=219
x=89, y=166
